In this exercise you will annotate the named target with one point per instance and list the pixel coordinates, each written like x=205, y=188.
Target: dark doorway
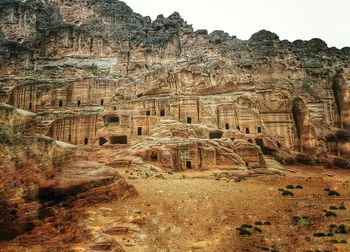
x=188, y=164
x=30, y=105
x=113, y=119
x=227, y=126
x=86, y=141
x=154, y=156
x=259, y=130
x=162, y=112
x=119, y=140
x=264, y=149
x=247, y=130
x=239, y=128
x=189, y=120
x=79, y=103
x=102, y=102
x=60, y=103
x=250, y=140
x=69, y=138
x=139, y=131
x=114, y=108
x=102, y=141
x=215, y=134
x=148, y=113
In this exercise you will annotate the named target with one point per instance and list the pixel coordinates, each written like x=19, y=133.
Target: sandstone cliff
x=98, y=74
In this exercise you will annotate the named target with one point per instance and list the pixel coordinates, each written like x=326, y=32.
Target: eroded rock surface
x=101, y=77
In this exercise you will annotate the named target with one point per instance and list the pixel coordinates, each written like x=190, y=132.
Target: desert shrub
x=330, y=214
x=245, y=232
x=267, y=223
x=342, y=207
x=333, y=208
x=246, y=226
x=330, y=234
x=258, y=223
x=299, y=187
x=319, y=235
x=287, y=193
x=334, y=241
x=343, y=241
x=290, y=187
x=333, y=193
x=296, y=220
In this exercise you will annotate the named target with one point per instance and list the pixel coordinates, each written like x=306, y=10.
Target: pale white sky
x=290, y=19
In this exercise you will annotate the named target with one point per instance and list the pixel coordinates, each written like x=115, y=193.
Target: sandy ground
x=192, y=211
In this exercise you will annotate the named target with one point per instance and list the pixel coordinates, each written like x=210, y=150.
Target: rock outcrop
x=101, y=76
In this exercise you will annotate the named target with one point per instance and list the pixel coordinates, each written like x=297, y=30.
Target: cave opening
x=239, y=128
x=188, y=164
x=189, y=120
x=162, y=112
x=259, y=130
x=79, y=103
x=247, y=130
x=227, y=126
x=60, y=103
x=102, y=141
x=102, y=102
x=86, y=141
x=148, y=113
x=250, y=141
x=69, y=138
x=264, y=149
x=30, y=105
x=139, y=131
x=215, y=134
x=119, y=140
x=154, y=156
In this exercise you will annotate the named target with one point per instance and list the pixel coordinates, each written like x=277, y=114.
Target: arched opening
x=113, y=119
x=188, y=164
x=247, y=130
x=227, y=126
x=189, y=120
x=119, y=140
x=60, y=103
x=78, y=103
x=259, y=130
x=86, y=141
x=215, y=134
x=162, y=112
x=102, y=102
x=139, y=131
x=154, y=156
x=102, y=141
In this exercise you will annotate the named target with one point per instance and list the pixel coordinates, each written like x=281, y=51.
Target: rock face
x=97, y=74
x=111, y=75
x=34, y=176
